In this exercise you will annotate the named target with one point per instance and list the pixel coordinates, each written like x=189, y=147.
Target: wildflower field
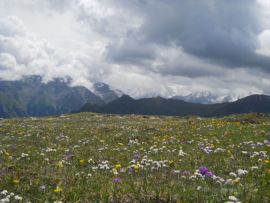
x=109, y=158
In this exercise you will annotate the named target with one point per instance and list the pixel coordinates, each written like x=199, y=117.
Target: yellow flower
x=117, y=166
x=57, y=189
x=114, y=171
x=235, y=181
x=229, y=152
x=16, y=181
x=6, y=152
x=136, y=168
x=60, y=164
x=266, y=161
x=212, y=145
x=81, y=161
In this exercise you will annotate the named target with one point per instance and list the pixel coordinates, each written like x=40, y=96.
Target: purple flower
x=136, y=156
x=203, y=170
x=185, y=173
x=209, y=174
x=267, y=142
x=116, y=180
x=130, y=170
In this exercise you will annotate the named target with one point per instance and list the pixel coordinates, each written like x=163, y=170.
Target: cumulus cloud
x=22, y=53
x=106, y=17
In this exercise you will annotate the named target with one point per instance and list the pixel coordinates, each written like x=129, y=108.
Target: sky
x=142, y=47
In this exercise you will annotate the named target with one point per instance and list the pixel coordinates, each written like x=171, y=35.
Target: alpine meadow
x=134, y=101
x=108, y=158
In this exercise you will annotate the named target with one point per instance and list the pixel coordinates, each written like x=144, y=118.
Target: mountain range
x=174, y=107
x=30, y=96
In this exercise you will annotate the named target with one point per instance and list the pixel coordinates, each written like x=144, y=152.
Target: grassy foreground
x=101, y=158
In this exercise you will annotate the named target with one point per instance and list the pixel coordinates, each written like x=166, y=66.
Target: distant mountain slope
x=203, y=98
x=161, y=106
x=252, y=103
x=105, y=92
x=151, y=106
x=31, y=97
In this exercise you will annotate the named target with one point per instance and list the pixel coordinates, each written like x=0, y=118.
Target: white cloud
x=264, y=43
x=106, y=17
x=23, y=53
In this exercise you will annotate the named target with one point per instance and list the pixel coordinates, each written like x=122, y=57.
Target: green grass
x=79, y=153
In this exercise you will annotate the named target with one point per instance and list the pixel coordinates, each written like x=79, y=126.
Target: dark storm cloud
x=222, y=32
x=190, y=71
x=130, y=51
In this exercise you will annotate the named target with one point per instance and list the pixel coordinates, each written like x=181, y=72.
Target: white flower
x=181, y=153
x=23, y=155
x=229, y=182
x=198, y=175
x=176, y=171
x=254, y=167
x=192, y=177
x=5, y=200
x=4, y=192
x=219, y=150
x=241, y=172
x=233, y=198
x=233, y=174
x=17, y=197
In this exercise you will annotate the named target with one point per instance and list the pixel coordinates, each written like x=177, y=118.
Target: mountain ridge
x=174, y=107
x=30, y=96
